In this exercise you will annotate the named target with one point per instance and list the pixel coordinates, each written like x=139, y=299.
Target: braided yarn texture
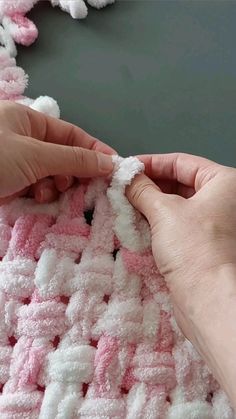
x=86, y=324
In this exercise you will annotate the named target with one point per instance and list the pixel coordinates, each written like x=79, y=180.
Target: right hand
x=190, y=204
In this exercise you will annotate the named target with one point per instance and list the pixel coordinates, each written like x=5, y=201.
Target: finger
x=63, y=183
x=45, y=191
x=145, y=196
x=53, y=159
x=53, y=130
x=186, y=169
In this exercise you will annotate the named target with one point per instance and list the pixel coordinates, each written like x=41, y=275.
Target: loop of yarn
x=86, y=323
x=15, y=27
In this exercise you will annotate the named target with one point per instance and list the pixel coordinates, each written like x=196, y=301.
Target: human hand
x=40, y=155
x=193, y=224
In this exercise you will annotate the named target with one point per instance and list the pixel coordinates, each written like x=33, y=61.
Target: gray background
x=144, y=76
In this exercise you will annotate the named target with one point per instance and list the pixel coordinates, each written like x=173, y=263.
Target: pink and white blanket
x=86, y=324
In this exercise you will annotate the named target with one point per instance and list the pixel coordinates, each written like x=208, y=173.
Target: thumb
x=146, y=197
x=54, y=159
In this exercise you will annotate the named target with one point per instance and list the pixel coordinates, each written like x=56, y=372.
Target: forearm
x=213, y=323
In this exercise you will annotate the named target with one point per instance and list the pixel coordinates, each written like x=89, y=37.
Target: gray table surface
x=144, y=76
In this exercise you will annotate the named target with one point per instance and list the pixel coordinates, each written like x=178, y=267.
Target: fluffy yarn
x=15, y=27
x=86, y=325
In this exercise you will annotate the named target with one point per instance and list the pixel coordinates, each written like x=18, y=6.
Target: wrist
x=211, y=316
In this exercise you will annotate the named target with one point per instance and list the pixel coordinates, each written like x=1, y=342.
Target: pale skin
x=40, y=155
x=189, y=202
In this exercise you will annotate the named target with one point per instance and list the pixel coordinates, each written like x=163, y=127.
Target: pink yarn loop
x=86, y=323
x=22, y=29
x=13, y=82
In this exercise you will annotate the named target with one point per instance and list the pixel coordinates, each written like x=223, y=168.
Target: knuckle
x=79, y=156
x=34, y=153
x=138, y=191
x=70, y=138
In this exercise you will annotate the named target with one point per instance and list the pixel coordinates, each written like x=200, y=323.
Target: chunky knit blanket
x=86, y=323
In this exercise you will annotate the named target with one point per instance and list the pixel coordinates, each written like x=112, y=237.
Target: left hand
x=40, y=154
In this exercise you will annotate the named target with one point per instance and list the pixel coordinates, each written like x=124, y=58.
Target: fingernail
x=45, y=195
x=105, y=163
